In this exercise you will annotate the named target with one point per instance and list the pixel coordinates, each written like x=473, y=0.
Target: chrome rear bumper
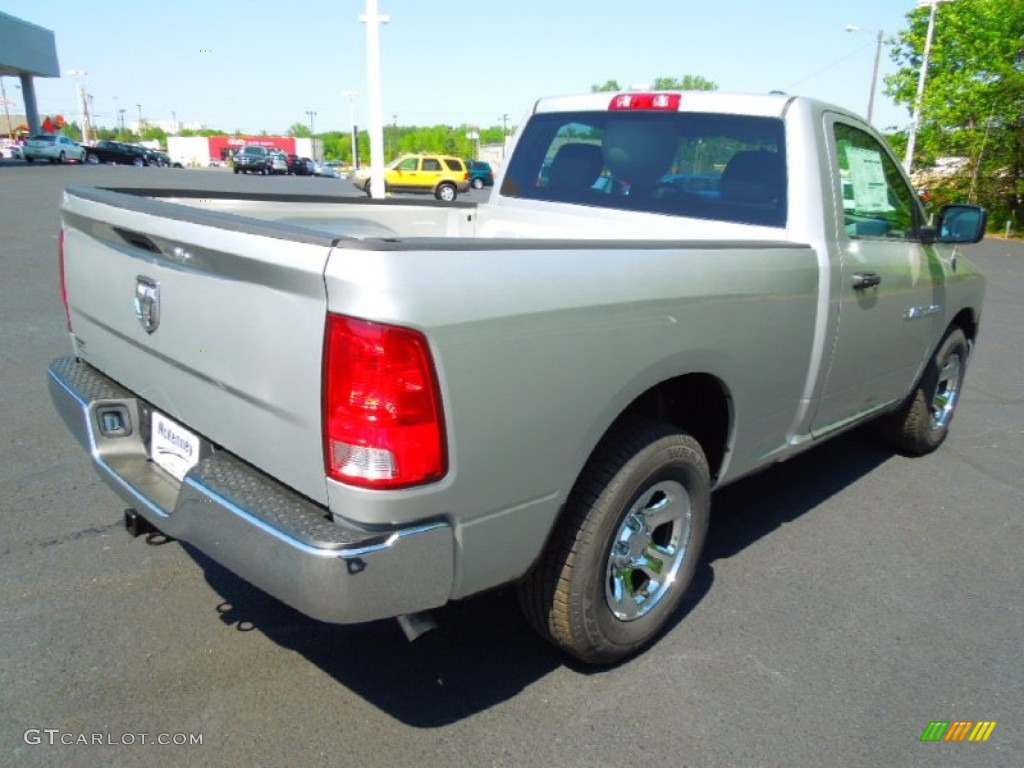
x=253, y=525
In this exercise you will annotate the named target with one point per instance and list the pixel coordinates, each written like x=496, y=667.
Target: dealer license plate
x=171, y=446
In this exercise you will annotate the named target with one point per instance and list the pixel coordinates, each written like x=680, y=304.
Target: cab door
x=889, y=291
x=431, y=172
x=404, y=176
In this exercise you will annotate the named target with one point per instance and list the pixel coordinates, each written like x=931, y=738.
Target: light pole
x=879, y=39
x=120, y=115
x=351, y=95
x=140, y=119
x=908, y=161
x=312, y=132
x=373, y=19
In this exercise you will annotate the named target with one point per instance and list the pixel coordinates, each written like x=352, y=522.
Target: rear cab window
x=693, y=164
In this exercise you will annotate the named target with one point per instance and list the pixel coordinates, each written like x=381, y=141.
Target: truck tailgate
x=218, y=327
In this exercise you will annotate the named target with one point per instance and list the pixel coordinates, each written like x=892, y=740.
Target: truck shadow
x=483, y=652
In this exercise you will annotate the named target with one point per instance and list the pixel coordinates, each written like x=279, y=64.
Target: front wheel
x=626, y=547
x=138, y=162
x=92, y=159
x=62, y=158
x=921, y=424
x=446, y=192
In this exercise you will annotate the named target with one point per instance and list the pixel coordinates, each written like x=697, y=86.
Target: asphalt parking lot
x=849, y=597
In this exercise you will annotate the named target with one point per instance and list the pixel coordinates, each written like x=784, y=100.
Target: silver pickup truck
x=371, y=408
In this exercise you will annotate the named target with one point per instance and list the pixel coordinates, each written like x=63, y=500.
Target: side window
x=431, y=164
x=877, y=202
x=409, y=164
x=454, y=165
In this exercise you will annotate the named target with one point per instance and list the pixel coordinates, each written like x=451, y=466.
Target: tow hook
x=137, y=525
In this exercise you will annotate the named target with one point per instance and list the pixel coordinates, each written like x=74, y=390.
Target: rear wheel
x=62, y=158
x=922, y=422
x=627, y=545
x=92, y=159
x=446, y=192
x=477, y=183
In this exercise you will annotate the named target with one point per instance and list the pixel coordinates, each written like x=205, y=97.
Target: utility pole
x=351, y=95
x=915, y=124
x=83, y=102
x=140, y=119
x=7, y=108
x=312, y=132
x=373, y=20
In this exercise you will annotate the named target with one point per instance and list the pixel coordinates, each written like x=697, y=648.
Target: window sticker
x=870, y=191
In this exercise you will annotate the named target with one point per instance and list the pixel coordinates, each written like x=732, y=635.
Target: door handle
x=862, y=280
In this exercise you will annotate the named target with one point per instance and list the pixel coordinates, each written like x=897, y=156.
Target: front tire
x=626, y=547
x=922, y=423
x=92, y=159
x=62, y=158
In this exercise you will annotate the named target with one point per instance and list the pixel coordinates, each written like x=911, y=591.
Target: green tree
x=298, y=130
x=973, y=105
x=686, y=83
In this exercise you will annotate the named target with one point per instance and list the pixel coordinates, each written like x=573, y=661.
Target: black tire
x=921, y=424
x=236, y=170
x=592, y=593
x=62, y=158
x=92, y=159
x=477, y=183
x=138, y=162
x=446, y=191
x=29, y=159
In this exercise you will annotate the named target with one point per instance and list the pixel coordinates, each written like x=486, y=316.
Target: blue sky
x=257, y=64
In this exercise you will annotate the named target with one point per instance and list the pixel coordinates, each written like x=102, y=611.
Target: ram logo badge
x=147, y=303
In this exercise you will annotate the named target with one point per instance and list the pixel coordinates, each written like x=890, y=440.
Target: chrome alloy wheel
x=947, y=392
x=647, y=550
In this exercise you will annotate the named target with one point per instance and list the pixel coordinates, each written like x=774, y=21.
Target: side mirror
x=961, y=224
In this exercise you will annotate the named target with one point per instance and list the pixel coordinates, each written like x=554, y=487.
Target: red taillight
x=383, y=423
x=667, y=102
x=63, y=279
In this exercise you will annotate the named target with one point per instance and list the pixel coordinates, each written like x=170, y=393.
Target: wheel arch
x=697, y=403
x=967, y=321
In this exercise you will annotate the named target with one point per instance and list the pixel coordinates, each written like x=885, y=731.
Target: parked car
x=278, y=162
x=56, y=149
x=254, y=159
x=443, y=176
x=119, y=153
x=166, y=161
x=10, y=149
x=299, y=166
x=414, y=404
x=480, y=174
x=326, y=171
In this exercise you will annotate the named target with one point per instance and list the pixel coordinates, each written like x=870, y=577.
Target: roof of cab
x=767, y=105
